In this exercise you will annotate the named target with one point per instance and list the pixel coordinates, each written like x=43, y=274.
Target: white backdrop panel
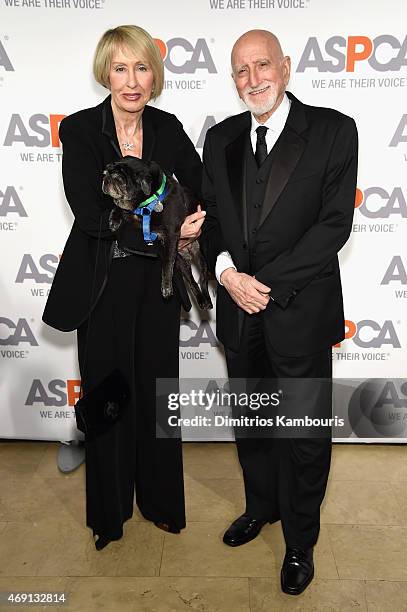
x=350, y=56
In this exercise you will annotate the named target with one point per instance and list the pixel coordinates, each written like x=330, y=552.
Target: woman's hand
x=191, y=228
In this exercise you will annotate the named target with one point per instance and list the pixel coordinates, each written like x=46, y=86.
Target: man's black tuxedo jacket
x=89, y=143
x=305, y=220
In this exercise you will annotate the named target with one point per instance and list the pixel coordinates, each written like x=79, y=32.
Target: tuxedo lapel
x=235, y=154
x=290, y=147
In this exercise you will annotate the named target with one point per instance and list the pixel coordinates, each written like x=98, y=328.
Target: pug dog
x=132, y=182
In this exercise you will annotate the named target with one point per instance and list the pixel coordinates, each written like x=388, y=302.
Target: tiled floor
x=360, y=559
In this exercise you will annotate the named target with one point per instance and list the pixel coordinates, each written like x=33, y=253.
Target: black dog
x=158, y=205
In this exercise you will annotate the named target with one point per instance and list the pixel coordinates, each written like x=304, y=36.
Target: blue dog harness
x=145, y=209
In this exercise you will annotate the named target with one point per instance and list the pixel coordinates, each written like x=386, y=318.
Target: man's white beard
x=263, y=107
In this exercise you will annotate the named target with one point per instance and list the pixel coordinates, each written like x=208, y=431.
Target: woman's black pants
x=135, y=329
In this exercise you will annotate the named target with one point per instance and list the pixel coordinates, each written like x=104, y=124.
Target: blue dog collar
x=146, y=208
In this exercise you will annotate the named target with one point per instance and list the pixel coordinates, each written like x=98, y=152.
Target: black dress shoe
x=102, y=541
x=297, y=571
x=167, y=527
x=242, y=530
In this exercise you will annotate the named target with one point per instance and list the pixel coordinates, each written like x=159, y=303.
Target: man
x=279, y=186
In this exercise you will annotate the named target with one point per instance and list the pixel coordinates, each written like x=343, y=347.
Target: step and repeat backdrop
x=346, y=55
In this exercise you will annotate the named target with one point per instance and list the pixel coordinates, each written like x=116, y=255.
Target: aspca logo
x=370, y=334
x=391, y=394
x=209, y=122
x=39, y=131
x=180, y=56
x=42, y=271
x=343, y=54
x=396, y=272
x=378, y=203
x=5, y=60
x=10, y=203
x=400, y=135
x=379, y=406
x=56, y=393
x=14, y=333
x=193, y=334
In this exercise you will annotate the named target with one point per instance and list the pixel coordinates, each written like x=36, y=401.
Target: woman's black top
x=89, y=143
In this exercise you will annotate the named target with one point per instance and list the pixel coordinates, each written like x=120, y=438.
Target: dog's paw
x=205, y=304
x=166, y=290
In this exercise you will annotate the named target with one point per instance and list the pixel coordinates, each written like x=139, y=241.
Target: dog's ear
x=145, y=186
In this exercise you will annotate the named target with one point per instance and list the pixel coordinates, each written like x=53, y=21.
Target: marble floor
x=360, y=559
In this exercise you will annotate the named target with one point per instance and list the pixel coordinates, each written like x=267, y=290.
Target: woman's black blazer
x=89, y=144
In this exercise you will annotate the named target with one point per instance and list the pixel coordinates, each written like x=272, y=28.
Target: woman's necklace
x=127, y=145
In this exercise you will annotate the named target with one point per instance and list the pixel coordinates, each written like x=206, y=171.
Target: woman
x=113, y=298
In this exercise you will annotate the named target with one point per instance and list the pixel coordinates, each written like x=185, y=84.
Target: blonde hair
x=139, y=42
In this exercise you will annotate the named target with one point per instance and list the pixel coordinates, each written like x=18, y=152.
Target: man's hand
x=248, y=293
x=191, y=228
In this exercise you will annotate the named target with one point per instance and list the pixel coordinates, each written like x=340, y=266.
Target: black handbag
x=103, y=405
